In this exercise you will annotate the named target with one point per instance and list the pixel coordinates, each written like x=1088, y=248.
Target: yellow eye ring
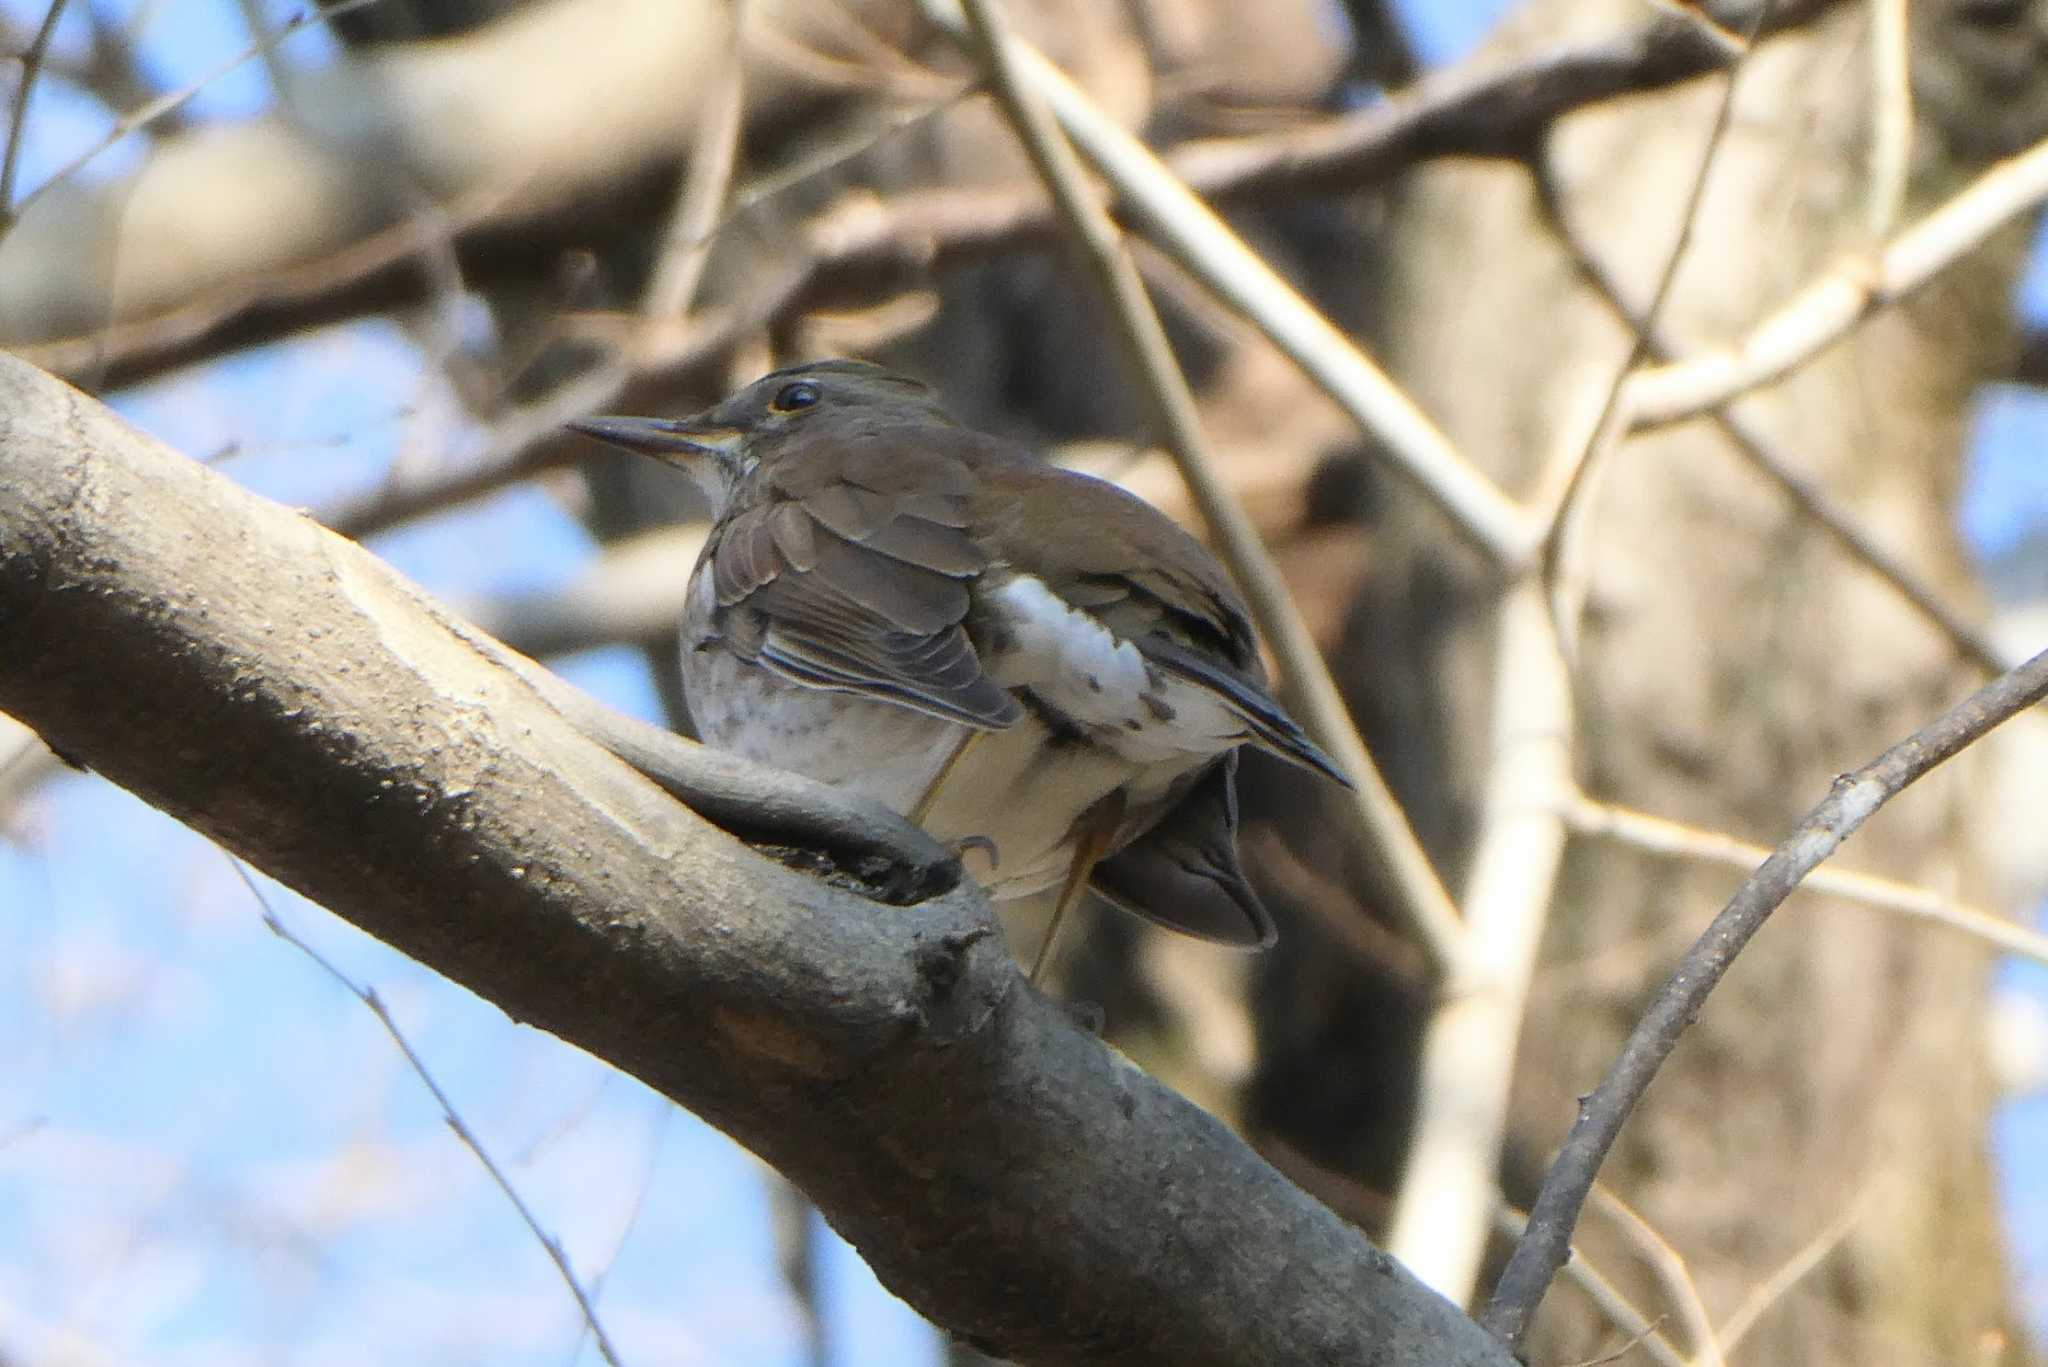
x=792, y=397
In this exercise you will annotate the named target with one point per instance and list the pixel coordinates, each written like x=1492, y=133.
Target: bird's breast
x=1098, y=717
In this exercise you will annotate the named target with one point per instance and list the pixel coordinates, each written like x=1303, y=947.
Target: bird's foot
x=981, y=845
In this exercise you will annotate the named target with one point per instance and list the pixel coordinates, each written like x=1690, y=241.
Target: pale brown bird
x=1003, y=650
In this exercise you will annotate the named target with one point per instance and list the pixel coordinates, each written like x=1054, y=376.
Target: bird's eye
x=791, y=397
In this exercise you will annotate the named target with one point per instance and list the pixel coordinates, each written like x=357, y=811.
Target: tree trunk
x=1732, y=661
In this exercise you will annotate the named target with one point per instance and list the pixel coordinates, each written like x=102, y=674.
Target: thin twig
x=274, y=67
x=1891, y=114
x=17, y=115
x=713, y=153
x=1018, y=76
x=1826, y=310
x=1481, y=109
x=1772, y=1289
x=138, y=119
x=1969, y=640
x=1643, y=831
x=1166, y=211
x=522, y=442
x=867, y=64
x=111, y=69
x=1494, y=111
x=1642, y=1331
x=798, y=1232
x=1601, y=1115
x=530, y=440
x=1670, y=1268
x=1563, y=507
x=368, y=997
x=24, y=762
x=1732, y=43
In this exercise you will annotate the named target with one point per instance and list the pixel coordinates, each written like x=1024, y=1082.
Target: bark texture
x=279, y=689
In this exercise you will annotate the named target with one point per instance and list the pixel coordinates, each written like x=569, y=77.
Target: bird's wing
x=1149, y=582
x=832, y=581
x=1268, y=722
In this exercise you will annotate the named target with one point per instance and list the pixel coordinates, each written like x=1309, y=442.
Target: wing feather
x=852, y=572
x=1247, y=698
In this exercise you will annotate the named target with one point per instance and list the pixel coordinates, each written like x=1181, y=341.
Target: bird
x=1035, y=665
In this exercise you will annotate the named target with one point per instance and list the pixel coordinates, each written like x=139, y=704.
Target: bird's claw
x=982, y=843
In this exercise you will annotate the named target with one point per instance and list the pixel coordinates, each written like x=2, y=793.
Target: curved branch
x=1603, y=1112
x=280, y=690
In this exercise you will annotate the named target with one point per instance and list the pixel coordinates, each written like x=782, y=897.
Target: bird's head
x=779, y=416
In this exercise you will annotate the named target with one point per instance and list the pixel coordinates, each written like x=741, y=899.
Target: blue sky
x=210, y=1153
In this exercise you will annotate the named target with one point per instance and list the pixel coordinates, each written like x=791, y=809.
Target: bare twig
x=1601, y=1115
x=715, y=150
x=1642, y=1331
x=274, y=67
x=869, y=63
x=877, y=242
x=1772, y=1289
x=1447, y=1191
x=1611, y=1355
x=1659, y=836
x=797, y=1236
x=1562, y=507
x=1492, y=111
x=1362, y=1205
x=1891, y=115
x=1670, y=1268
x=1482, y=110
x=17, y=114
x=369, y=998
x=1186, y=230
x=1022, y=80
x=1826, y=310
x=1807, y=495
x=1343, y=916
x=1732, y=42
x=522, y=443
x=371, y=273
x=137, y=119
x=114, y=72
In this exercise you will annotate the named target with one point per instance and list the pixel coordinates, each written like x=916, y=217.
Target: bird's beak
x=675, y=440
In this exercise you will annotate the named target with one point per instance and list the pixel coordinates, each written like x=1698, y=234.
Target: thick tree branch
x=281, y=691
